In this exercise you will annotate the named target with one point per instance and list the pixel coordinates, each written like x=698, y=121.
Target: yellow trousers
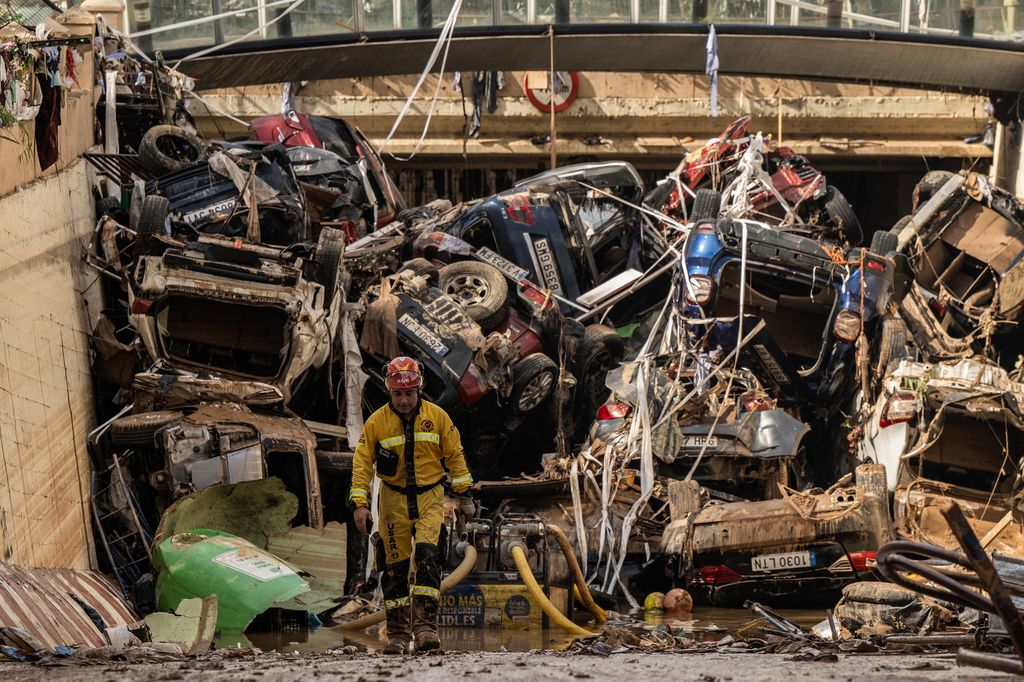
x=398, y=532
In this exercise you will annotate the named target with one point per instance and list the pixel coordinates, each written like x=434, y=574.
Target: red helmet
x=402, y=373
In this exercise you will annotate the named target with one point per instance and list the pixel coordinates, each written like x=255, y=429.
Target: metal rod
x=551, y=93
x=905, y=16
x=937, y=640
x=984, y=659
x=982, y=565
x=663, y=11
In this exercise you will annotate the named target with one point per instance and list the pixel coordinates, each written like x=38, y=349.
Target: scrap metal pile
x=715, y=382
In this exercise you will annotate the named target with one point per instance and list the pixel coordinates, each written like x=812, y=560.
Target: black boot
x=395, y=585
x=425, y=595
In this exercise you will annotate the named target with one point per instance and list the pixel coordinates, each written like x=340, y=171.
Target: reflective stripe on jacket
x=438, y=447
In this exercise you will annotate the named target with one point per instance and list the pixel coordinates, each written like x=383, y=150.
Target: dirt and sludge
x=716, y=425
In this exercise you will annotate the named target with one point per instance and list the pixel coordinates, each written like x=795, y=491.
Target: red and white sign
x=567, y=87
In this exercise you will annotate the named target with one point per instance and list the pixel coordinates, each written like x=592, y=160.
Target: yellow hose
x=461, y=571
x=556, y=616
x=580, y=588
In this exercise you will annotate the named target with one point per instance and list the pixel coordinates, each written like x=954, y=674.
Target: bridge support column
x=966, y=18
x=562, y=12
x=424, y=14
x=1012, y=8
x=1007, y=171
x=834, y=14
x=700, y=11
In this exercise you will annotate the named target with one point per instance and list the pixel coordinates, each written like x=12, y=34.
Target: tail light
x=141, y=306
x=719, y=575
x=699, y=290
x=612, y=410
x=863, y=561
x=902, y=407
x=473, y=385
x=705, y=228
x=937, y=307
x=873, y=264
x=846, y=328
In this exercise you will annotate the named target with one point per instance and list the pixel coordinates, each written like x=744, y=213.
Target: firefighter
x=412, y=443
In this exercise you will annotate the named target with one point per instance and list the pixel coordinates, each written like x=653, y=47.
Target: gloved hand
x=466, y=509
x=361, y=517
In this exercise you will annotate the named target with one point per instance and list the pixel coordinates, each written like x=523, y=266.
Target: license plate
x=507, y=267
x=209, y=211
x=428, y=337
x=782, y=561
x=700, y=441
x=547, y=265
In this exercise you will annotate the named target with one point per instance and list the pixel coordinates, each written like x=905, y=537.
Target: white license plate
x=507, y=267
x=700, y=441
x=428, y=337
x=781, y=561
x=209, y=211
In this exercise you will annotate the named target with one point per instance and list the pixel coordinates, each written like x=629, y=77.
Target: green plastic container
x=246, y=580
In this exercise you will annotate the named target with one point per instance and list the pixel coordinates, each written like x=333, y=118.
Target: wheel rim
x=537, y=389
x=468, y=289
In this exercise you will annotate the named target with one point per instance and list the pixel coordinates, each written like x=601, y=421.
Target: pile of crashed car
x=715, y=383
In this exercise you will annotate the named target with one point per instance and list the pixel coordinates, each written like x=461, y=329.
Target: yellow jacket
x=437, y=448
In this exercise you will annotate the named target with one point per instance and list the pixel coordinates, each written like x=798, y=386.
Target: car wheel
x=600, y=351
x=140, y=429
x=883, y=242
x=422, y=268
x=707, y=204
x=152, y=219
x=533, y=379
x=168, y=149
x=927, y=186
x=841, y=216
x=330, y=247
x=480, y=288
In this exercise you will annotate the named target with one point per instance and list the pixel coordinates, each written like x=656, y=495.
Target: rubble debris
x=874, y=608
x=191, y=626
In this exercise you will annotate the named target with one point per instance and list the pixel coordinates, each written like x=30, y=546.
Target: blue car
x=815, y=300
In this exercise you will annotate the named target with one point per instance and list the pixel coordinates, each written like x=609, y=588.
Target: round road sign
x=567, y=86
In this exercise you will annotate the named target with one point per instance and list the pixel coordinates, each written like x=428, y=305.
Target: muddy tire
x=330, y=248
x=883, y=243
x=706, y=205
x=152, y=219
x=533, y=380
x=891, y=347
x=601, y=350
x=841, y=216
x=168, y=149
x=927, y=186
x=140, y=429
x=422, y=268
x=480, y=288
x=887, y=594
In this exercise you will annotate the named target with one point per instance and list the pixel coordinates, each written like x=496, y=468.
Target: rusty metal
x=982, y=565
x=985, y=659
x=938, y=639
x=121, y=168
x=48, y=603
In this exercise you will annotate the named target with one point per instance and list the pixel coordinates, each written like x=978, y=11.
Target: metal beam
x=847, y=56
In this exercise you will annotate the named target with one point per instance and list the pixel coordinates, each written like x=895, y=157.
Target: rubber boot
x=424, y=623
x=399, y=631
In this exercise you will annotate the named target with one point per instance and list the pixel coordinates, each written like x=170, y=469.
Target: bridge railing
x=172, y=24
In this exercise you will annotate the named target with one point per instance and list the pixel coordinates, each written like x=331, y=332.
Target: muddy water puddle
x=704, y=624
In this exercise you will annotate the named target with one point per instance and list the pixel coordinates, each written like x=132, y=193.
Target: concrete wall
x=46, y=297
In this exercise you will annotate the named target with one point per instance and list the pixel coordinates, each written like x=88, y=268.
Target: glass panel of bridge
x=880, y=15
x=320, y=17
x=737, y=11
x=379, y=15
x=599, y=11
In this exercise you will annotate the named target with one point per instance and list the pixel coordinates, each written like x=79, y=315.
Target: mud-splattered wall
x=46, y=407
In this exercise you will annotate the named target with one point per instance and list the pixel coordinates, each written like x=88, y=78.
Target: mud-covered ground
x=510, y=667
